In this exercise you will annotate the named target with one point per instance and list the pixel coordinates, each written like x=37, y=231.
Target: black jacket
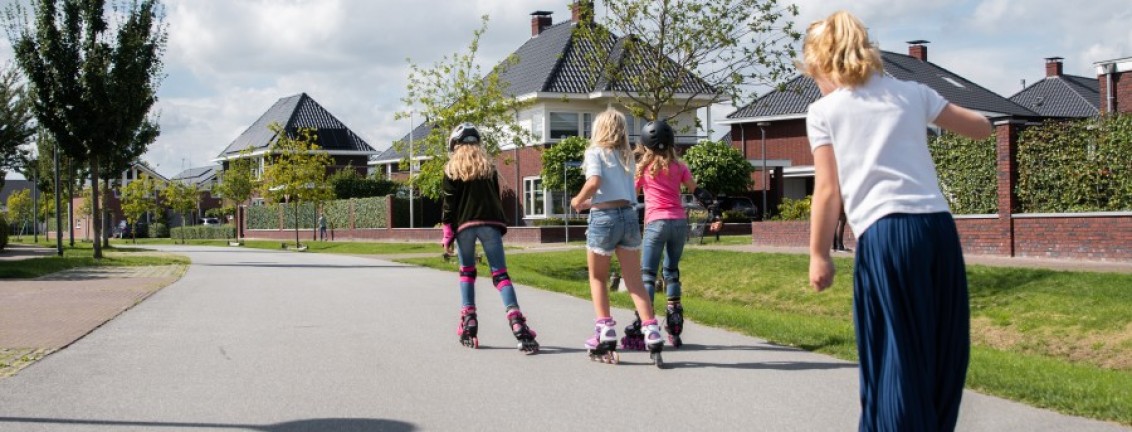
x=472, y=203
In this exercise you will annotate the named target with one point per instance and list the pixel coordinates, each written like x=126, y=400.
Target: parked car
x=210, y=221
x=742, y=205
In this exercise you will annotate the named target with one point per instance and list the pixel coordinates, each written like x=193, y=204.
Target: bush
x=158, y=230
x=735, y=216
x=4, y=228
x=792, y=209
x=203, y=232
x=554, y=221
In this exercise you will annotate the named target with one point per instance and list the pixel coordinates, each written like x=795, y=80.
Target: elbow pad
x=449, y=235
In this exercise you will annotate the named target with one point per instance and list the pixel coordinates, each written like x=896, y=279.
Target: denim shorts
x=613, y=228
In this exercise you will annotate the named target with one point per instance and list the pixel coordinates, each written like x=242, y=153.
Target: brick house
x=300, y=111
x=204, y=178
x=113, y=205
x=1115, y=84
x=776, y=121
x=551, y=72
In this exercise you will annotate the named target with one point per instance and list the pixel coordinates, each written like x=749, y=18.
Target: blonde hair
x=655, y=161
x=469, y=162
x=610, y=133
x=838, y=48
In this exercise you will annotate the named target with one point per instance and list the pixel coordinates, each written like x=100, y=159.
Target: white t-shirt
x=879, y=136
x=616, y=178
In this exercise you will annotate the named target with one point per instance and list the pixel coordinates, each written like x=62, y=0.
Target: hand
x=821, y=272
x=579, y=204
x=449, y=249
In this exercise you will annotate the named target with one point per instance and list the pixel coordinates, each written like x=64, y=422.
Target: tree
x=455, y=91
x=182, y=198
x=297, y=172
x=91, y=86
x=719, y=167
x=554, y=159
x=15, y=120
x=19, y=208
x=663, y=54
x=138, y=198
x=238, y=183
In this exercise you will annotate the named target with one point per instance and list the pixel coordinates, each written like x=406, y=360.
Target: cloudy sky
x=228, y=61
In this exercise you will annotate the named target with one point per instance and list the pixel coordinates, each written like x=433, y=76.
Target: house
x=294, y=113
x=566, y=96
x=204, y=178
x=771, y=131
x=1061, y=96
x=113, y=205
x=1115, y=85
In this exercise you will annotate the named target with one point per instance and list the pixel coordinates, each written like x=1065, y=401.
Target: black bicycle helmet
x=657, y=135
x=465, y=133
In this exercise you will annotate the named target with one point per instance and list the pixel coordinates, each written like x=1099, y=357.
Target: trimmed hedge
x=158, y=230
x=204, y=232
x=370, y=213
x=1076, y=166
x=337, y=214
x=968, y=173
x=308, y=216
x=557, y=221
x=263, y=217
x=794, y=209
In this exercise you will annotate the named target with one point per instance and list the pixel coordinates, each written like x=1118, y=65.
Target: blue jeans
x=609, y=229
x=492, y=242
x=665, y=236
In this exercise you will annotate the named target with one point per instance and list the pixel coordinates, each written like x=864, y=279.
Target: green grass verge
x=82, y=255
x=1022, y=319
x=352, y=248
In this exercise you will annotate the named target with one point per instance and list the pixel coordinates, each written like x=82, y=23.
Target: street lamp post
x=766, y=179
x=58, y=216
x=412, y=217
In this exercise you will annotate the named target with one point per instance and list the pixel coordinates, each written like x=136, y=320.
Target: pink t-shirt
x=662, y=193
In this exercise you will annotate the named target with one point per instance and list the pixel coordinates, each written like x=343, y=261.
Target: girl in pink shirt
x=660, y=174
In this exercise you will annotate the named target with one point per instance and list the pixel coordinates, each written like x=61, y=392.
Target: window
x=536, y=126
x=587, y=125
x=533, y=194
x=563, y=125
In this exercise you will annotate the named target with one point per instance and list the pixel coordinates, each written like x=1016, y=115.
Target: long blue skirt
x=910, y=304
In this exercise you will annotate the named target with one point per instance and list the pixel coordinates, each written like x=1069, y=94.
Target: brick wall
x=1122, y=94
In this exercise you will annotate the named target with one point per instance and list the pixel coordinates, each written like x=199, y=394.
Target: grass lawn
x=341, y=247
x=1052, y=339
x=82, y=255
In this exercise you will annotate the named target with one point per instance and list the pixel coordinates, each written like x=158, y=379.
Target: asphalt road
x=277, y=341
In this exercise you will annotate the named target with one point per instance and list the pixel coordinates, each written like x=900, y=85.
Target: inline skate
x=653, y=341
x=603, y=345
x=469, y=327
x=634, y=340
x=524, y=334
x=674, y=322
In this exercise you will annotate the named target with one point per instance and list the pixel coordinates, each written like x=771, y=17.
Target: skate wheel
x=614, y=358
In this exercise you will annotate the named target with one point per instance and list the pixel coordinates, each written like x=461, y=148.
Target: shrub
x=204, y=232
x=735, y=216
x=4, y=228
x=158, y=230
x=554, y=221
x=794, y=209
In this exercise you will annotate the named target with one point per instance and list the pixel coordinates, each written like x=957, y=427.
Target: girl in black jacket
x=473, y=210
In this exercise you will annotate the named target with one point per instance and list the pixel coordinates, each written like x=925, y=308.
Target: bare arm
x=825, y=209
x=964, y=122
x=582, y=200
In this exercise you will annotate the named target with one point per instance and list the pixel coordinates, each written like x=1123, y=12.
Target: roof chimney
x=540, y=20
x=917, y=50
x=582, y=11
x=1053, y=66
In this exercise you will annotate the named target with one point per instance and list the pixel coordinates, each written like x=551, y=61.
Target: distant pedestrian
x=322, y=227
x=472, y=209
x=839, y=232
x=910, y=299
x=613, y=228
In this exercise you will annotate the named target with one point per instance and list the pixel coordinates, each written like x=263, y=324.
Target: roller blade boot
x=654, y=342
x=602, y=346
x=674, y=323
x=468, y=328
x=634, y=340
x=523, y=334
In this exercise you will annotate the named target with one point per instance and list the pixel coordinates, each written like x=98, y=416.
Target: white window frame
x=529, y=192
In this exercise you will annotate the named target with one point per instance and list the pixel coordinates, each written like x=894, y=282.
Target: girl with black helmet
x=613, y=228
x=660, y=173
x=473, y=210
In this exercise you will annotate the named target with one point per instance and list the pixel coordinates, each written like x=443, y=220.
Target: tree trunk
x=297, y=225
x=71, y=206
x=106, y=215
x=97, y=223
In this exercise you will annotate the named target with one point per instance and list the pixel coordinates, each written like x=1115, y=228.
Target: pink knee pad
x=468, y=274
x=500, y=278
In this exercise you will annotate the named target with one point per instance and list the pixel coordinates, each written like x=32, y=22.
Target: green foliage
x=555, y=156
x=201, y=232
x=556, y=221
x=138, y=198
x=221, y=213
x=370, y=213
x=348, y=183
x=182, y=198
x=297, y=174
x=454, y=91
x=734, y=216
x=719, y=168
x=1076, y=166
x=15, y=120
x=158, y=230
x=337, y=213
x=263, y=217
x=794, y=209
x=968, y=172
x=238, y=182
x=4, y=228
x=683, y=43
x=19, y=206
x=306, y=213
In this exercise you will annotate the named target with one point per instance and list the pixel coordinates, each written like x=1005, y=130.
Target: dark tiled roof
x=555, y=61
x=197, y=175
x=419, y=134
x=801, y=91
x=1062, y=96
x=295, y=112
